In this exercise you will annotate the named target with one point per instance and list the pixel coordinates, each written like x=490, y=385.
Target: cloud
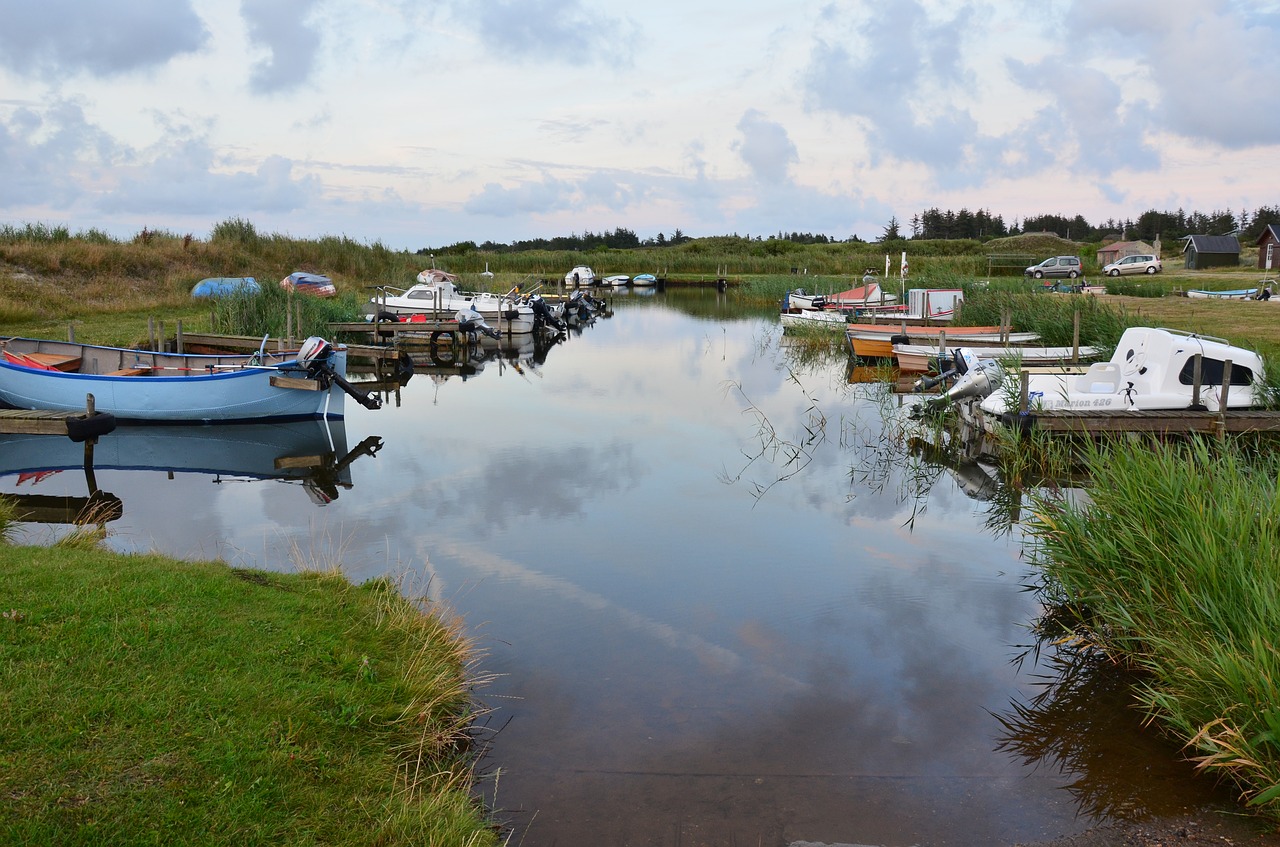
x=547, y=195
x=52, y=39
x=556, y=30
x=1221, y=102
x=182, y=179
x=43, y=155
x=903, y=79
x=281, y=27
x=765, y=147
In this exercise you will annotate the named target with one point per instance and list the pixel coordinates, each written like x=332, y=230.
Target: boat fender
x=83, y=427
x=899, y=339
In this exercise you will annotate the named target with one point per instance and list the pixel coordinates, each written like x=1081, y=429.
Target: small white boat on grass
x=142, y=385
x=617, y=280
x=644, y=281
x=1151, y=369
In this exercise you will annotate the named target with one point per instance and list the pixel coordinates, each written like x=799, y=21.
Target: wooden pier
x=77, y=426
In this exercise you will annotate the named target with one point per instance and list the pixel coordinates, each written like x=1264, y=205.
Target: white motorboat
x=799, y=299
x=1151, y=369
x=581, y=275
x=436, y=294
x=822, y=318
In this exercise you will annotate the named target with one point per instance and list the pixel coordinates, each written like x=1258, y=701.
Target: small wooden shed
x=1269, y=247
x=1117, y=250
x=1211, y=251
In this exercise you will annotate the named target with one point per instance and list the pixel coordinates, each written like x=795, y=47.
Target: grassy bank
x=1174, y=570
x=148, y=701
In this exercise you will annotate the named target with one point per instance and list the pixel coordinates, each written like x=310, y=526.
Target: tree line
x=932, y=225
x=1168, y=226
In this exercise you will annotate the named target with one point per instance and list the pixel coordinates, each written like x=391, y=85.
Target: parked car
x=1143, y=263
x=1068, y=266
x=581, y=275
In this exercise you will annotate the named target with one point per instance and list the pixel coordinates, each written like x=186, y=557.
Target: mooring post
x=1196, y=363
x=151, y=331
x=1024, y=393
x=178, y=338
x=1222, y=402
x=71, y=333
x=1075, y=338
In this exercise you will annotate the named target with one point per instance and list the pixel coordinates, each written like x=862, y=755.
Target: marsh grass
x=1174, y=570
x=153, y=701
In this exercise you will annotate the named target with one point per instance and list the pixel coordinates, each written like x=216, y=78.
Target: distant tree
x=891, y=231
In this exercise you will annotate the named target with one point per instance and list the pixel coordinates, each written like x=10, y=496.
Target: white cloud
x=53, y=39
x=280, y=26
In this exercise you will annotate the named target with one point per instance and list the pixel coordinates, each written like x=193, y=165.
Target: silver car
x=1142, y=263
x=1068, y=266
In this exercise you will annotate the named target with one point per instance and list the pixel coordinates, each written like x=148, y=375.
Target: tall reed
x=1174, y=569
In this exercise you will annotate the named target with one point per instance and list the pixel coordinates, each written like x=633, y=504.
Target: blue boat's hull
x=216, y=389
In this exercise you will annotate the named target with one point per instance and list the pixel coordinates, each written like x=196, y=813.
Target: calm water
x=720, y=603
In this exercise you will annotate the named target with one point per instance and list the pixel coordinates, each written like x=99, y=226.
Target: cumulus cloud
x=43, y=155
x=55, y=38
x=765, y=147
x=558, y=30
x=282, y=28
x=1218, y=101
x=900, y=73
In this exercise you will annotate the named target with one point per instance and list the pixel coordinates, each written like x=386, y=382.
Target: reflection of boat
x=1151, y=369
x=313, y=453
x=142, y=385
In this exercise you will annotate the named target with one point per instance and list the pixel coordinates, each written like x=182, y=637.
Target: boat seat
x=142, y=370
x=1101, y=378
x=57, y=361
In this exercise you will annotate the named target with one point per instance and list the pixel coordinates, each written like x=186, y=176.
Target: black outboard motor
x=542, y=313
x=315, y=355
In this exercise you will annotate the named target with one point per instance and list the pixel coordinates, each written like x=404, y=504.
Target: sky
x=422, y=123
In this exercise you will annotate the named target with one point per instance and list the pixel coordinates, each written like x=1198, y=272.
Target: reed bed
x=1174, y=569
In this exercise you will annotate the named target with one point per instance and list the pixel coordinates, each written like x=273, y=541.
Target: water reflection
x=1083, y=723
x=312, y=454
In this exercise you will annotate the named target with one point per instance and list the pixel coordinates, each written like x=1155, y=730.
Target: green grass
x=148, y=701
x=1174, y=569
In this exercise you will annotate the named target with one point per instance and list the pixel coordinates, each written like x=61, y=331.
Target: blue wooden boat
x=222, y=286
x=143, y=385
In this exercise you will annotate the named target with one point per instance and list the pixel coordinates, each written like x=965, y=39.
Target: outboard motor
x=579, y=305
x=470, y=321
x=315, y=356
x=542, y=313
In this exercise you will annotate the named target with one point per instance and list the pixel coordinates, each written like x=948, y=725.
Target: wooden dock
x=78, y=426
x=208, y=343
x=1163, y=422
